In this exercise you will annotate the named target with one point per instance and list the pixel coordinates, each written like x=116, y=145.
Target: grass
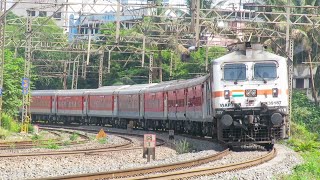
x=74, y=136
x=4, y=133
x=183, y=146
x=306, y=144
x=50, y=144
x=103, y=140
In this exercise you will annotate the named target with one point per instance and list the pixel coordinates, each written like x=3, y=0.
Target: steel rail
x=145, y=170
x=122, y=147
x=25, y=144
x=210, y=171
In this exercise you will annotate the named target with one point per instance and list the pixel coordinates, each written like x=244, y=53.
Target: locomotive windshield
x=264, y=71
x=234, y=72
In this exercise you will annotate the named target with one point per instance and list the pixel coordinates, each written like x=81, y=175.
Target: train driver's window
x=266, y=70
x=234, y=72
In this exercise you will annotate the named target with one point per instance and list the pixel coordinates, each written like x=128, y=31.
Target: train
x=243, y=100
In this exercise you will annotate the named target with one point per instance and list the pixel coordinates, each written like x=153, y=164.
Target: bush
x=4, y=133
x=8, y=123
x=183, y=146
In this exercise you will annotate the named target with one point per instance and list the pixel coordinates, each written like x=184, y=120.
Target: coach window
x=264, y=71
x=234, y=72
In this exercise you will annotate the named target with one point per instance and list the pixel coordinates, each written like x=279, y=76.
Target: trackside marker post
x=149, y=146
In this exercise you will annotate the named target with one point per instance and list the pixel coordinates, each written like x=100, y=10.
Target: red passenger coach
x=100, y=103
x=195, y=102
x=154, y=105
x=71, y=102
x=41, y=104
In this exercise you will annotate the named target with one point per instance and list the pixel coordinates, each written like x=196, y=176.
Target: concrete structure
x=41, y=10
x=302, y=76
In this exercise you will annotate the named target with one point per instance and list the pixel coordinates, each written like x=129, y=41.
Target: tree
x=12, y=91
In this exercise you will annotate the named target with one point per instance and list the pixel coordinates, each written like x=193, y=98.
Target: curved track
x=121, y=147
x=145, y=173
x=26, y=144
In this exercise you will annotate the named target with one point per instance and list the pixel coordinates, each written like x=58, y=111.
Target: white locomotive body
x=250, y=96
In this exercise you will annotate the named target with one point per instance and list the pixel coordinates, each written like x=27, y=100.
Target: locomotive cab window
x=264, y=71
x=234, y=72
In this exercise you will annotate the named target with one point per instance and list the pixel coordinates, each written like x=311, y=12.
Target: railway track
x=26, y=144
x=121, y=147
x=137, y=172
x=172, y=171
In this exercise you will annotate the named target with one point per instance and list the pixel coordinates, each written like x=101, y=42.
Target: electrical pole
x=150, y=68
x=26, y=80
x=101, y=56
x=2, y=39
x=289, y=51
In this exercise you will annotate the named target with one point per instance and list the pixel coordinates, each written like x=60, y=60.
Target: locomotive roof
x=258, y=54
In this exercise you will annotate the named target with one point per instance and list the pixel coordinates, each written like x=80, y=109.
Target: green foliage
x=66, y=143
x=4, y=133
x=51, y=144
x=183, y=146
x=306, y=113
x=8, y=123
x=305, y=137
x=36, y=137
x=103, y=140
x=308, y=170
x=74, y=136
x=12, y=83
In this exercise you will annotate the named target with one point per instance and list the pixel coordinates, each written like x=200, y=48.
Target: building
x=302, y=76
x=39, y=8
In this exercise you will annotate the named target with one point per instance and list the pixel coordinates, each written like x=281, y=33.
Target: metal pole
x=289, y=51
x=150, y=68
x=118, y=21
x=2, y=39
x=89, y=45
x=109, y=61
x=198, y=24
x=65, y=75
x=101, y=68
x=143, y=50
x=171, y=64
x=26, y=98
x=207, y=51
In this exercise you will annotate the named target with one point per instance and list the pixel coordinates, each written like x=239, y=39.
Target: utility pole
x=2, y=39
x=289, y=51
x=118, y=22
x=101, y=56
x=109, y=61
x=65, y=65
x=26, y=80
x=150, y=68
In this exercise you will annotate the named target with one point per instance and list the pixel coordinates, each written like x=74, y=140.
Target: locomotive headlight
x=275, y=92
x=251, y=93
x=226, y=94
x=276, y=119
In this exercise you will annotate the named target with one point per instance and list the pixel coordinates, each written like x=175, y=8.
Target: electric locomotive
x=250, y=96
